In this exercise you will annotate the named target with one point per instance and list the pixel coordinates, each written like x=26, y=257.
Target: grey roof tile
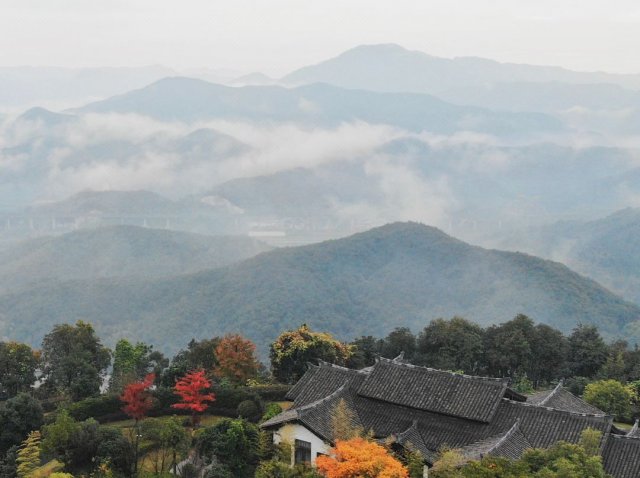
x=621, y=456
x=562, y=399
x=475, y=398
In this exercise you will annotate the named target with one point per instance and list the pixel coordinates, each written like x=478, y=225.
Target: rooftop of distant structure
x=429, y=408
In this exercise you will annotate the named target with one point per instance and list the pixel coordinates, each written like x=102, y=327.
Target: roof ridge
x=623, y=437
x=553, y=392
x=553, y=409
x=444, y=372
x=634, y=430
x=414, y=424
x=322, y=363
x=515, y=427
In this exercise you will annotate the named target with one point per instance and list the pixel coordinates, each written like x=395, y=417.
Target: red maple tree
x=137, y=398
x=191, y=389
x=138, y=402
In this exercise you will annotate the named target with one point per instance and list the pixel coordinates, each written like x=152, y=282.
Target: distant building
x=430, y=408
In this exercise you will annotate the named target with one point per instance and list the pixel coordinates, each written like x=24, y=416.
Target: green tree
x=508, y=347
x=294, y=349
x=400, y=340
x=57, y=435
x=590, y=441
x=29, y=455
x=18, y=364
x=133, y=362
x=364, y=352
x=614, y=367
x=587, y=351
x=74, y=360
x=455, y=344
x=234, y=443
x=169, y=441
x=609, y=396
x=200, y=355
x=18, y=417
x=550, y=349
x=8, y=464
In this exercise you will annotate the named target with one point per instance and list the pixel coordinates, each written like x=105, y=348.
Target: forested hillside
x=605, y=249
x=402, y=274
x=119, y=251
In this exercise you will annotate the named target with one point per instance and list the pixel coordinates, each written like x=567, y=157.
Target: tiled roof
x=562, y=399
x=411, y=437
x=474, y=398
x=317, y=416
x=302, y=383
x=511, y=444
x=621, y=456
x=320, y=381
x=544, y=426
x=411, y=404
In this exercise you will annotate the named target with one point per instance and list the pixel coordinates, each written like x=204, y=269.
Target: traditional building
x=430, y=409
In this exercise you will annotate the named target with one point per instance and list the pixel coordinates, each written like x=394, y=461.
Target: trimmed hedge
x=271, y=393
x=102, y=408
x=107, y=408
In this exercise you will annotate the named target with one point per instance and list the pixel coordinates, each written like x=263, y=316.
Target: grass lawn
x=48, y=468
x=622, y=426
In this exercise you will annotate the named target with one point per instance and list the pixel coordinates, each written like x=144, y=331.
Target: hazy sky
x=275, y=36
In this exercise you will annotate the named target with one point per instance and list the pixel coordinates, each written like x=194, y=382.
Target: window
x=303, y=452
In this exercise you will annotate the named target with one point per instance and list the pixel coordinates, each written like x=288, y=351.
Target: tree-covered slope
x=607, y=249
x=402, y=274
x=119, y=251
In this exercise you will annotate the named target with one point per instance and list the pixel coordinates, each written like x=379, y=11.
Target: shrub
x=102, y=408
x=271, y=411
x=249, y=410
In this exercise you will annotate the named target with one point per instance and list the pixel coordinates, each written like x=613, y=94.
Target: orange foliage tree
x=191, y=390
x=359, y=458
x=236, y=359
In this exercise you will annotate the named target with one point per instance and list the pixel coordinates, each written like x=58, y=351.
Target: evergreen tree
x=29, y=455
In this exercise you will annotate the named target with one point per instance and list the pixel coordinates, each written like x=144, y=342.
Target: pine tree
x=29, y=455
x=344, y=422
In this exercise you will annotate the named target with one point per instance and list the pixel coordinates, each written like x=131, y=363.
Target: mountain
x=607, y=249
x=107, y=203
x=606, y=103
x=392, y=68
x=468, y=189
x=185, y=99
x=204, y=214
x=119, y=251
x=402, y=274
x=255, y=78
x=28, y=86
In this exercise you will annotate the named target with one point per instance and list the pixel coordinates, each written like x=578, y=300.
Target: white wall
x=291, y=432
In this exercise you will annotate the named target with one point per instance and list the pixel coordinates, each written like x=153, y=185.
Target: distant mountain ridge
x=607, y=249
x=402, y=274
x=187, y=99
x=119, y=251
x=591, y=101
x=390, y=67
